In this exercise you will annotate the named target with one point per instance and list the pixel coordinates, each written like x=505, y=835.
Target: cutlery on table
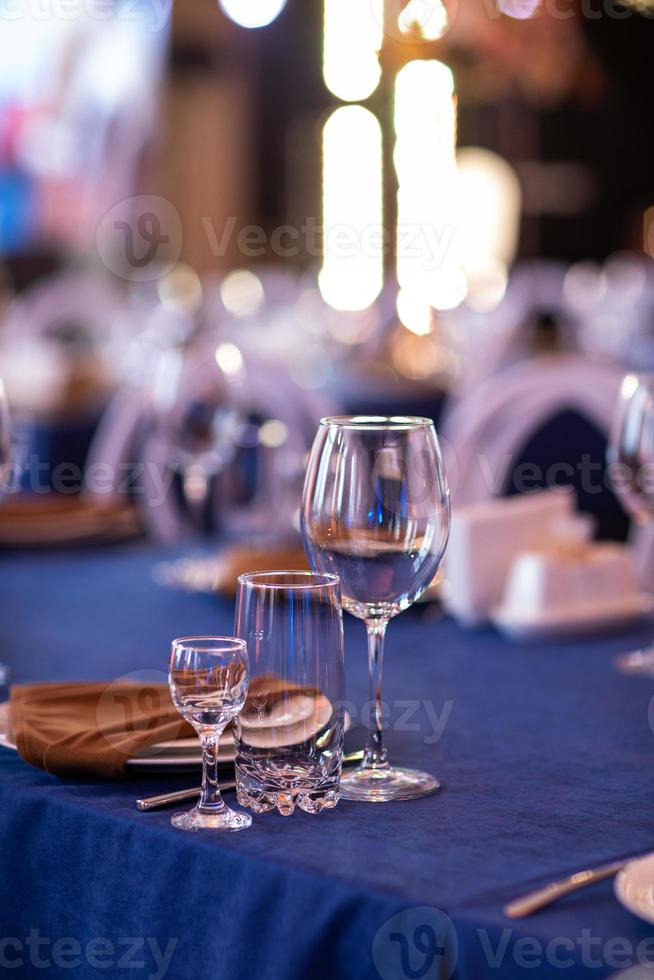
x=541, y=897
x=164, y=799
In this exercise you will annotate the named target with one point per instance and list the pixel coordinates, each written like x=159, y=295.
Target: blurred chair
x=566, y=401
x=614, y=305
x=218, y=441
x=531, y=317
x=61, y=344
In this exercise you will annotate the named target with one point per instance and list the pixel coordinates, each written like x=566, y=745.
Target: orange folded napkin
x=51, y=519
x=238, y=559
x=94, y=728
x=68, y=729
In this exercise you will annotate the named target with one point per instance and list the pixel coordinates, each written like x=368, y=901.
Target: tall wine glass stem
x=210, y=799
x=375, y=755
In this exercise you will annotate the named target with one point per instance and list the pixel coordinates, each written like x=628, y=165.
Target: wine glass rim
x=218, y=643
x=312, y=580
x=376, y=422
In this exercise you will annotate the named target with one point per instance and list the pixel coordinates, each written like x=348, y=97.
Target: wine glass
x=631, y=461
x=376, y=511
x=208, y=678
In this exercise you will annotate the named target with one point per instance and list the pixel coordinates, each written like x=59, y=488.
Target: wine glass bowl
x=208, y=679
x=376, y=512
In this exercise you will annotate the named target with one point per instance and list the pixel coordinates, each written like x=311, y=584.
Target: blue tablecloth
x=547, y=754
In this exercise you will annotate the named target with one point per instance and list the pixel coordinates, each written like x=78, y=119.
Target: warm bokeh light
x=273, y=433
x=229, y=359
x=487, y=286
x=253, y=13
x=353, y=35
x=448, y=287
x=414, y=312
x=427, y=19
x=352, y=272
x=425, y=127
x=180, y=289
x=648, y=232
x=489, y=205
x=422, y=358
x=242, y=293
x=488, y=223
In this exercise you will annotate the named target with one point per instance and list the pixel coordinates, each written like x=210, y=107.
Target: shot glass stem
x=375, y=756
x=211, y=800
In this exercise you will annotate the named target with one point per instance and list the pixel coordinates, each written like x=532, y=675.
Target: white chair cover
x=489, y=426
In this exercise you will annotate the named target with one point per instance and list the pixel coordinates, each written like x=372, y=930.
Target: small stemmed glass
x=208, y=680
x=376, y=512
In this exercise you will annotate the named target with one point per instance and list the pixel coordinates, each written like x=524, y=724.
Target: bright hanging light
x=253, y=13
x=353, y=34
x=428, y=270
x=428, y=19
x=489, y=206
x=448, y=288
x=352, y=271
x=414, y=312
x=488, y=221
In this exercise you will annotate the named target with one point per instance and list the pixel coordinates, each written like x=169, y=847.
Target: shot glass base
x=384, y=785
x=224, y=819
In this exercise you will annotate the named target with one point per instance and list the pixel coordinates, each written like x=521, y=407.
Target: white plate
x=634, y=887
x=574, y=621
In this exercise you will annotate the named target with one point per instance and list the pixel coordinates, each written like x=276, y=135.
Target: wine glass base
x=382, y=785
x=225, y=819
x=639, y=662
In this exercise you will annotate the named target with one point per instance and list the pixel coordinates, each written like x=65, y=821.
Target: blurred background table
x=540, y=742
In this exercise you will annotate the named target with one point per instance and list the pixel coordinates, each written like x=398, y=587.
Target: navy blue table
x=546, y=752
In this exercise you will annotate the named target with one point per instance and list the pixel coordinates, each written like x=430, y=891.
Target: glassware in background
x=208, y=680
x=5, y=473
x=376, y=512
x=289, y=737
x=195, y=424
x=631, y=458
